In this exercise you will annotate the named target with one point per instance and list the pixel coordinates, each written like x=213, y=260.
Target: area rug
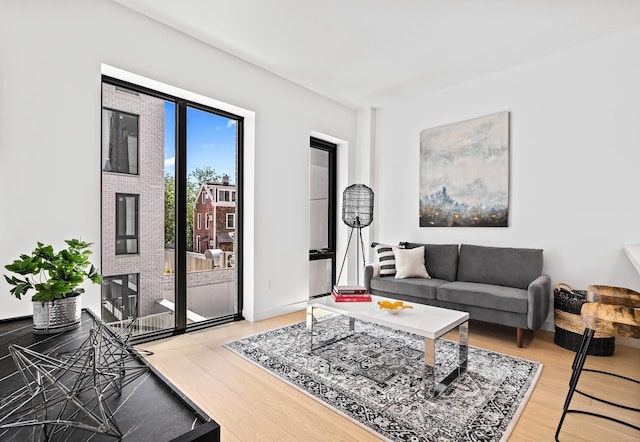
x=375, y=378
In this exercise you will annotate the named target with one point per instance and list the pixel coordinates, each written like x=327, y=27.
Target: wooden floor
x=252, y=405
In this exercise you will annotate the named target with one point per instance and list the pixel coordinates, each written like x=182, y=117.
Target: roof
x=224, y=237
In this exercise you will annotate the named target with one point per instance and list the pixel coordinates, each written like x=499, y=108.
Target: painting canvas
x=464, y=173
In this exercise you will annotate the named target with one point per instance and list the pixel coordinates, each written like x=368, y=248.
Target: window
x=149, y=235
x=233, y=196
x=223, y=195
x=231, y=221
x=126, y=224
x=127, y=91
x=206, y=221
x=119, y=142
x=120, y=297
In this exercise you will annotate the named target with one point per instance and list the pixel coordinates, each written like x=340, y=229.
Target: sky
x=211, y=141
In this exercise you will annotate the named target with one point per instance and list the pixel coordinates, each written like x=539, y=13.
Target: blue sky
x=211, y=141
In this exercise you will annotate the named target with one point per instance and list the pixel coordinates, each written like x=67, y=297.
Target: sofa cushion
x=441, y=260
x=508, y=299
x=415, y=287
x=387, y=259
x=410, y=263
x=503, y=266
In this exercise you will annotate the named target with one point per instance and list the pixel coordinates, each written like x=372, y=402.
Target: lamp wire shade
x=357, y=205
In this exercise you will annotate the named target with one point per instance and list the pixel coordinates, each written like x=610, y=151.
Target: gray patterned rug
x=375, y=378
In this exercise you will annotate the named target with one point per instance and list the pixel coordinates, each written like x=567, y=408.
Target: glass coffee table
x=423, y=320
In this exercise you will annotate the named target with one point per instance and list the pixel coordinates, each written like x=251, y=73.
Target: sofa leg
x=520, y=337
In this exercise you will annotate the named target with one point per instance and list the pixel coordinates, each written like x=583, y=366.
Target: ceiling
x=361, y=52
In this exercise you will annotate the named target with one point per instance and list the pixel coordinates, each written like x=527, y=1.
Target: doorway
x=322, y=217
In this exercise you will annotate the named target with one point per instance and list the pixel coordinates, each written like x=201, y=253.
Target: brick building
x=132, y=202
x=214, y=218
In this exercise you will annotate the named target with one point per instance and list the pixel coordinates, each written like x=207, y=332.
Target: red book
x=362, y=297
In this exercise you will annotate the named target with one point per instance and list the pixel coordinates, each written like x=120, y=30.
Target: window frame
x=137, y=117
x=126, y=237
x=231, y=216
x=183, y=100
x=125, y=281
x=227, y=195
x=328, y=253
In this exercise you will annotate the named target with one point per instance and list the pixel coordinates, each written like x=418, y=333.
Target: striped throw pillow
x=387, y=259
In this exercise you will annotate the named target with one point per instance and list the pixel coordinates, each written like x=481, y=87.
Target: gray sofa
x=493, y=284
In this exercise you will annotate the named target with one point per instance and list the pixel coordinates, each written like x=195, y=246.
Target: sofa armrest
x=539, y=293
x=370, y=271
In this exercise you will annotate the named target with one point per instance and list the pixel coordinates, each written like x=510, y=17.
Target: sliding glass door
x=212, y=276
x=171, y=186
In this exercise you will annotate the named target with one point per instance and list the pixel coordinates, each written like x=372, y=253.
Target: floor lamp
x=357, y=212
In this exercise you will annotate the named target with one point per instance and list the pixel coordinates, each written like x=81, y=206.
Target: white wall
x=575, y=159
x=50, y=64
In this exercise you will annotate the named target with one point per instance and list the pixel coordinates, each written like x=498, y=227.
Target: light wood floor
x=252, y=405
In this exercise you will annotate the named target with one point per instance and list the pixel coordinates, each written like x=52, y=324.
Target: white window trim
x=207, y=220
x=199, y=224
x=231, y=216
x=224, y=192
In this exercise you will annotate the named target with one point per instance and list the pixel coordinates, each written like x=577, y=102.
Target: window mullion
x=181, y=216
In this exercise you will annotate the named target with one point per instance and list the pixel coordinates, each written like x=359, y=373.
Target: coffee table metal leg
x=311, y=321
x=310, y=318
x=430, y=361
x=463, y=353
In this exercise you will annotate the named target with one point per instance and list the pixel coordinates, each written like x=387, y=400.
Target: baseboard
x=629, y=342
x=279, y=310
x=549, y=326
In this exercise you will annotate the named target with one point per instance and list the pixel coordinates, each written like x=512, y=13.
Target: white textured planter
x=56, y=316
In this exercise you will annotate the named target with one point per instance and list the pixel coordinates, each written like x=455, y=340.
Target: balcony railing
x=147, y=324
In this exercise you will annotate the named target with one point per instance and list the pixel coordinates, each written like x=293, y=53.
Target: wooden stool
x=610, y=310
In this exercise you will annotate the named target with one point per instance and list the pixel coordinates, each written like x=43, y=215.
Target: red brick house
x=214, y=217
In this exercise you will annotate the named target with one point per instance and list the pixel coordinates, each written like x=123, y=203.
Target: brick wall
x=149, y=185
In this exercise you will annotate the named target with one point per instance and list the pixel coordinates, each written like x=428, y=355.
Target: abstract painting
x=464, y=173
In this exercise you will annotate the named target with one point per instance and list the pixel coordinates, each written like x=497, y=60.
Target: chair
x=611, y=310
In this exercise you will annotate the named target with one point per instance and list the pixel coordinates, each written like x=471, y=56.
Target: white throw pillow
x=410, y=263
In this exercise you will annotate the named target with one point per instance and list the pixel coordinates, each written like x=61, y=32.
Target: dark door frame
x=330, y=251
x=181, y=177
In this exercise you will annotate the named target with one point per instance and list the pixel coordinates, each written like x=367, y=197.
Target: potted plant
x=56, y=279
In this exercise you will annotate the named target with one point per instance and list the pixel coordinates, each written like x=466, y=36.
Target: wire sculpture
x=71, y=391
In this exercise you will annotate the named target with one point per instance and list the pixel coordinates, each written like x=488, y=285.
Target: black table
x=149, y=408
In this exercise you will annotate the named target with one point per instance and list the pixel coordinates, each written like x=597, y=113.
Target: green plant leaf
x=59, y=273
